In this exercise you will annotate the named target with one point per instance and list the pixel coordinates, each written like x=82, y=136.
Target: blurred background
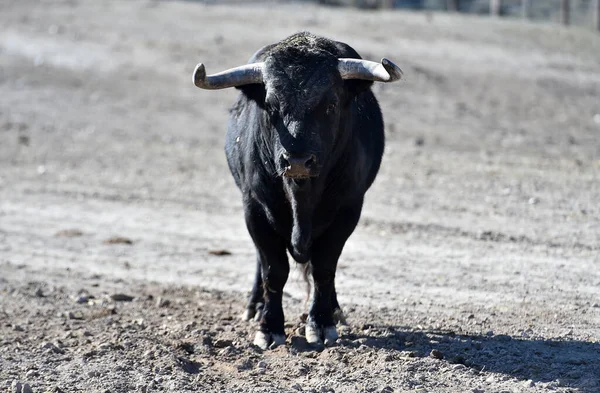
x=577, y=12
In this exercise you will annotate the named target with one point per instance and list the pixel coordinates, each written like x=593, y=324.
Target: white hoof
x=317, y=336
x=268, y=341
x=262, y=340
x=258, y=315
x=313, y=334
x=330, y=336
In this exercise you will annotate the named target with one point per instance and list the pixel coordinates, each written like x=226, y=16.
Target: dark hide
x=303, y=108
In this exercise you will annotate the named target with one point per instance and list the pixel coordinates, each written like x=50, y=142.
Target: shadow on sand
x=575, y=364
x=562, y=363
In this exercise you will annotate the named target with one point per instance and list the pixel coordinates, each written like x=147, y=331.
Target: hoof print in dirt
x=268, y=340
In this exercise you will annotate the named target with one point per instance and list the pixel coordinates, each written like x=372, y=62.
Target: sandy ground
x=475, y=267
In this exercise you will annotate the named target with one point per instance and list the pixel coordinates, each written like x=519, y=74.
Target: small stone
x=436, y=354
x=162, y=302
x=243, y=365
x=568, y=333
x=297, y=387
x=387, y=389
x=39, y=292
x=261, y=364
x=26, y=388
x=221, y=343
x=533, y=201
x=55, y=389
x=18, y=328
x=529, y=383
x=121, y=297
x=490, y=333
x=82, y=299
x=52, y=348
x=73, y=315
x=32, y=374
x=106, y=346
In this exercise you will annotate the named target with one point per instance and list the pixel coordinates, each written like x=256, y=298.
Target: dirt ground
x=475, y=267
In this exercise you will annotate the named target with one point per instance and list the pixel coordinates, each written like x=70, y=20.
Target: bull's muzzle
x=299, y=166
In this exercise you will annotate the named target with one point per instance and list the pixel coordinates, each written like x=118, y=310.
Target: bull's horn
x=386, y=71
x=238, y=76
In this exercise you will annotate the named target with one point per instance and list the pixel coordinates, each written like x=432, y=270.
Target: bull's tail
x=306, y=273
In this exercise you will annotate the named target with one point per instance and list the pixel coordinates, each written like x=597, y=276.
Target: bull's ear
x=356, y=86
x=255, y=92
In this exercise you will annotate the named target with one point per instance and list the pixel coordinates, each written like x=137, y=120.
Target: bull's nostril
x=283, y=161
x=311, y=162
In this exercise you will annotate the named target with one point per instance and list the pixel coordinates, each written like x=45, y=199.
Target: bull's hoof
x=252, y=313
x=268, y=340
x=321, y=336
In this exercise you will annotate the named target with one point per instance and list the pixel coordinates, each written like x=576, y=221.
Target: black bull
x=304, y=143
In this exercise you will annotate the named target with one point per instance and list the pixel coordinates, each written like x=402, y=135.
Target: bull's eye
x=331, y=108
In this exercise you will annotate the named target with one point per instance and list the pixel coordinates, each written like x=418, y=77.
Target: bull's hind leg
x=326, y=250
x=275, y=269
x=256, y=300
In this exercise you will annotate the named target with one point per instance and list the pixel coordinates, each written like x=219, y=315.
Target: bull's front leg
x=320, y=326
x=256, y=300
x=273, y=260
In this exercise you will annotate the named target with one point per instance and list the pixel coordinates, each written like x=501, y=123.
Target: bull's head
x=304, y=97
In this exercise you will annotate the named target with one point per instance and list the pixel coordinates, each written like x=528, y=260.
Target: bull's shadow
x=575, y=364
